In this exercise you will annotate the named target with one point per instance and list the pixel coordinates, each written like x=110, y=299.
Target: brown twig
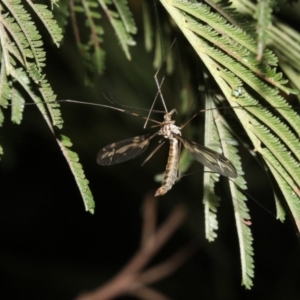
x=127, y=280
x=169, y=266
x=146, y=293
x=149, y=216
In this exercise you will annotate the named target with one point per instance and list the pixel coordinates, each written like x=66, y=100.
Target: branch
x=129, y=280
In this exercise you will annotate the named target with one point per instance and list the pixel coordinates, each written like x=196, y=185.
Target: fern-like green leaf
x=148, y=27
x=53, y=107
x=229, y=51
x=22, y=52
x=46, y=16
x=265, y=91
x=280, y=211
x=122, y=23
x=282, y=38
x=211, y=203
x=17, y=106
x=290, y=196
x=6, y=60
x=22, y=62
x=91, y=49
x=1, y=117
x=263, y=16
x=125, y=15
x=241, y=212
x=226, y=141
x=77, y=170
x=4, y=87
x=61, y=13
x=210, y=200
x=29, y=30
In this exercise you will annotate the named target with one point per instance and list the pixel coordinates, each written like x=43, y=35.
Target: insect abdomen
x=171, y=168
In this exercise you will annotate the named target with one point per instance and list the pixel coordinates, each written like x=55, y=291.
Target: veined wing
x=210, y=158
x=124, y=150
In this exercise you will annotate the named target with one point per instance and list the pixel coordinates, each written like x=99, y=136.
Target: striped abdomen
x=171, y=168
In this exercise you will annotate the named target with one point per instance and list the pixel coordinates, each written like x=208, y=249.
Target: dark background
x=52, y=249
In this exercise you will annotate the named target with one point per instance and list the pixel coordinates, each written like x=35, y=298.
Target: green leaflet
x=210, y=200
x=46, y=16
x=241, y=211
x=217, y=137
x=77, y=170
x=91, y=45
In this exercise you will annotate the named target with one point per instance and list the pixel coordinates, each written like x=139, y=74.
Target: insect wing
x=123, y=150
x=211, y=159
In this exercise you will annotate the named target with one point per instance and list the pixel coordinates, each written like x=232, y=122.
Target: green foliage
x=153, y=38
x=23, y=56
x=90, y=49
x=241, y=211
x=46, y=15
x=62, y=13
x=22, y=61
x=218, y=136
x=77, y=170
x=263, y=16
x=247, y=74
x=90, y=46
x=210, y=200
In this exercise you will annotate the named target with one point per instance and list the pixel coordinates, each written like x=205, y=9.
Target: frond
x=247, y=74
x=148, y=27
x=46, y=16
x=210, y=200
x=122, y=22
x=4, y=87
x=22, y=63
x=77, y=170
x=263, y=15
x=17, y=106
x=62, y=13
x=29, y=31
x=125, y=16
x=241, y=211
x=153, y=32
x=218, y=136
x=52, y=106
x=22, y=54
x=283, y=39
x=91, y=48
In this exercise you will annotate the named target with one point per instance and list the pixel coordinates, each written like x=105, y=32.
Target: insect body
x=130, y=148
x=170, y=131
x=171, y=168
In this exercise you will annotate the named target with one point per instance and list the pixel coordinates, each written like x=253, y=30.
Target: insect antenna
x=156, y=96
x=113, y=101
x=162, y=66
x=113, y=108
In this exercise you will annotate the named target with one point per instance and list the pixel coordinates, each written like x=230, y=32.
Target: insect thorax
x=169, y=128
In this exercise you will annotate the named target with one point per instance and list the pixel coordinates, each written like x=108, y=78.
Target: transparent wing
x=210, y=158
x=124, y=150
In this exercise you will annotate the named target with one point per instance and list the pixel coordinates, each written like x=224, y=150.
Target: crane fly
x=127, y=149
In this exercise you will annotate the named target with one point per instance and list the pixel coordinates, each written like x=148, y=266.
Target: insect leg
x=153, y=152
